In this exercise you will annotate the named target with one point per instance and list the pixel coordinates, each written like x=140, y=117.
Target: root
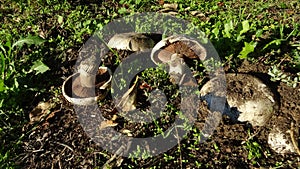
x=293, y=139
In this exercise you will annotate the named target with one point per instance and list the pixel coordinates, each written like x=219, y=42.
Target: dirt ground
x=59, y=140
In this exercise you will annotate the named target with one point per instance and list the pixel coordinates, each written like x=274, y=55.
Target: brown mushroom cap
x=189, y=48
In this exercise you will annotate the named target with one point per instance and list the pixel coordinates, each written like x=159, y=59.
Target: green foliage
x=248, y=48
x=10, y=89
x=278, y=75
x=254, y=151
x=133, y=6
x=39, y=67
x=4, y=160
x=239, y=30
x=9, y=73
x=30, y=40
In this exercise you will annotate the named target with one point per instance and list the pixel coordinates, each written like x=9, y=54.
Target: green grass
x=36, y=44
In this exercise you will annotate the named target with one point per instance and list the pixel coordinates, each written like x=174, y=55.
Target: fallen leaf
x=107, y=123
x=220, y=4
x=170, y=6
x=128, y=100
x=39, y=112
x=125, y=131
x=161, y=2
x=145, y=85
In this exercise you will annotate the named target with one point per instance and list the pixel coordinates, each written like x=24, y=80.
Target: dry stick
x=293, y=139
x=252, y=136
x=62, y=144
x=105, y=166
x=59, y=163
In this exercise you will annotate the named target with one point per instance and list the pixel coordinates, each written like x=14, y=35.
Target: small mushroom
x=75, y=92
x=131, y=41
x=173, y=50
x=280, y=141
x=283, y=137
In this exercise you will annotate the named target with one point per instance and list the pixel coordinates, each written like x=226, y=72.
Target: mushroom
x=173, y=50
x=280, y=141
x=131, y=41
x=76, y=92
x=248, y=98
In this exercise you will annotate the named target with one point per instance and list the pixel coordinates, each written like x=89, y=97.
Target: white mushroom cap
x=131, y=41
x=280, y=141
x=256, y=109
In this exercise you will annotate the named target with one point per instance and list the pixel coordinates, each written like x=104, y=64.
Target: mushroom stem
x=176, y=64
x=86, y=79
x=176, y=70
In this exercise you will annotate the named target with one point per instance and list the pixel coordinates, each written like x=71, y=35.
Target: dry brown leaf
x=107, y=123
x=39, y=112
x=128, y=100
x=161, y=2
x=170, y=6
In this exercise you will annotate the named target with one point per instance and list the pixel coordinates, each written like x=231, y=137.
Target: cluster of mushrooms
x=80, y=88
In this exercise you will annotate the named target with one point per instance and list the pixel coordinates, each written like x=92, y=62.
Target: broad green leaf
x=8, y=44
x=240, y=37
x=258, y=33
x=215, y=31
x=227, y=28
x=245, y=26
x=60, y=19
x=39, y=67
x=138, y=2
x=248, y=48
x=30, y=40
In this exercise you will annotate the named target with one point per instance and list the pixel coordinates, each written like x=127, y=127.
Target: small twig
x=62, y=144
x=59, y=162
x=293, y=139
x=252, y=136
x=36, y=151
x=105, y=166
